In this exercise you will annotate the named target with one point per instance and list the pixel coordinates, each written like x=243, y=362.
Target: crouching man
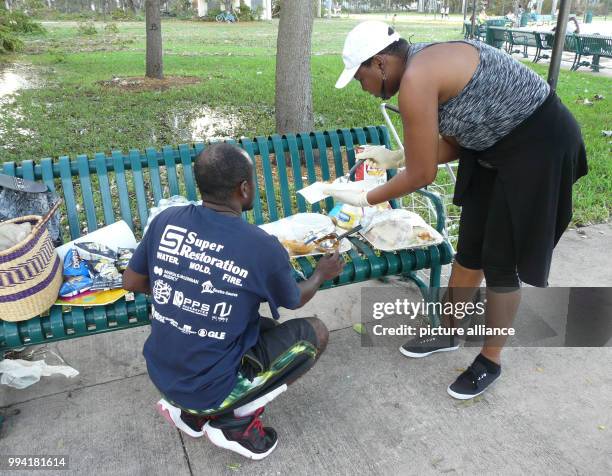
x=213, y=358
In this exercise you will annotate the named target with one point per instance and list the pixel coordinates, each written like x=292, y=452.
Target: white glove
x=357, y=198
x=382, y=157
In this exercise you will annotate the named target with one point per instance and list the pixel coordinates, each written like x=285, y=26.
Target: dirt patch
x=140, y=84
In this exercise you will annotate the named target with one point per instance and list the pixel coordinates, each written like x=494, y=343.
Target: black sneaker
x=474, y=381
x=245, y=435
x=427, y=345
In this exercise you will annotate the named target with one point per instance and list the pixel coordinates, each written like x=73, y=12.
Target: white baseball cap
x=364, y=41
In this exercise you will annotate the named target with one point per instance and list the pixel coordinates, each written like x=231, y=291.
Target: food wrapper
x=106, y=275
x=103, y=283
x=124, y=255
x=90, y=251
x=397, y=229
x=75, y=285
x=74, y=265
x=295, y=230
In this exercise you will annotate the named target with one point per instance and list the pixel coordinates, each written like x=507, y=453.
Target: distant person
x=572, y=25
x=207, y=271
x=482, y=16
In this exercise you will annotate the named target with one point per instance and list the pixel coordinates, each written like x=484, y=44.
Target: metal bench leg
x=576, y=62
x=525, y=55
x=595, y=64
x=429, y=293
x=536, y=58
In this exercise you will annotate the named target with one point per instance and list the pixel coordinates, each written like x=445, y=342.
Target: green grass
x=73, y=114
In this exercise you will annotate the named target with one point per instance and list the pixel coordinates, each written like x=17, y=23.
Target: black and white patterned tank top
x=501, y=94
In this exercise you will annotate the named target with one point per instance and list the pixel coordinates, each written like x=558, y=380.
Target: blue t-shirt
x=209, y=273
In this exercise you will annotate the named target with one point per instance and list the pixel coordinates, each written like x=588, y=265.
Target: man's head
x=224, y=174
x=374, y=54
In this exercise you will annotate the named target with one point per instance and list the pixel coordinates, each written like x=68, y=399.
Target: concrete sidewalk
x=359, y=411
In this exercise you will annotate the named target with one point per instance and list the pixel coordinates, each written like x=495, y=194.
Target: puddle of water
x=11, y=82
x=13, y=78
x=205, y=124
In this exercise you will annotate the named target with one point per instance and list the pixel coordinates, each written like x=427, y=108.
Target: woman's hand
x=382, y=157
x=357, y=198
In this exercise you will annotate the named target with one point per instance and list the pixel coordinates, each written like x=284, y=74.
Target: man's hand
x=328, y=267
x=381, y=157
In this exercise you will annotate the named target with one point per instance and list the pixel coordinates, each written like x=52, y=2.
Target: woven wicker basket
x=30, y=272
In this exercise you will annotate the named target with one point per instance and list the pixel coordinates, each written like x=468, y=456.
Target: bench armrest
x=435, y=199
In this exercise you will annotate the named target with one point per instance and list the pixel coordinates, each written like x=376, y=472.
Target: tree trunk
x=293, y=81
x=553, y=10
x=130, y=5
x=155, y=67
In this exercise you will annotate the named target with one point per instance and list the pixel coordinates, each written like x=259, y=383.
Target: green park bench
x=594, y=46
x=108, y=188
x=522, y=38
x=544, y=42
x=496, y=36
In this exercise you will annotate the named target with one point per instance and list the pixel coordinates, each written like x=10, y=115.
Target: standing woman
x=520, y=151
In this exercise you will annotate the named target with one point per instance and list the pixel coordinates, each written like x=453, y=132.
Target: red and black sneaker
x=244, y=435
x=193, y=425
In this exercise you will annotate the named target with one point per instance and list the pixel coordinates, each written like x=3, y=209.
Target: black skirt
x=537, y=164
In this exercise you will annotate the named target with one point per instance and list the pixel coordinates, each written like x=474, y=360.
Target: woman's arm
x=418, y=103
x=447, y=150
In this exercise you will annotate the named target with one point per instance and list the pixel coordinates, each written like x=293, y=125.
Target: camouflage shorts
x=287, y=367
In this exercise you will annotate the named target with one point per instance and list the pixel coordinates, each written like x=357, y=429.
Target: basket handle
x=48, y=215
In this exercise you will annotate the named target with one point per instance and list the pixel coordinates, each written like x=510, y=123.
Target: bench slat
x=349, y=145
x=332, y=136
x=262, y=143
x=247, y=145
x=68, y=191
x=27, y=170
x=296, y=167
x=124, y=196
x=46, y=166
x=281, y=168
x=168, y=154
x=154, y=176
x=188, y=178
x=121, y=314
x=86, y=192
x=138, y=184
x=360, y=266
x=304, y=144
x=323, y=161
x=57, y=322
x=105, y=190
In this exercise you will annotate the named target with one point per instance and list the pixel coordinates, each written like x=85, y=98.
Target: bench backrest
x=596, y=45
x=571, y=43
x=496, y=36
x=523, y=38
x=100, y=189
